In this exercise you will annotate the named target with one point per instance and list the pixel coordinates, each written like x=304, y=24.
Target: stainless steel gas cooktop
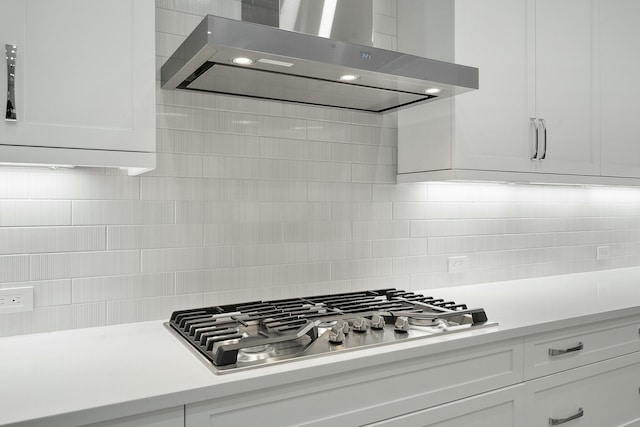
x=252, y=334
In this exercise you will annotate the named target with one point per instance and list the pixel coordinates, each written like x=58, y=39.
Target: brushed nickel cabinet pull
x=537, y=141
x=557, y=352
x=544, y=136
x=558, y=421
x=11, y=55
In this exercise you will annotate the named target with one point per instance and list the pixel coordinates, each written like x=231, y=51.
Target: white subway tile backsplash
x=359, y=268
x=177, y=165
x=228, y=8
x=373, y=173
x=111, y=288
x=385, y=7
x=359, y=153
x=89, y=212
x=181, y=259
x=385, y=24
x=21, y=213
x=342, y=211
x=399, y=247
x=188, y=282
x=83, y=264
x=419, y=264
x=400, y=193
x=274, y=169
x=14, y=268
x=373, y=230
x=295, y=211
x=164, y=188
x=339, y=192
x=14, y=183
x=19, y=240
x=243, y=233
x=296, y=149
x=284, y=253
x=191, y=142
x=254, y=190
x=333, y=251
x=61, y=184
x=351, y=133
x=154, y=236
x=316, y=231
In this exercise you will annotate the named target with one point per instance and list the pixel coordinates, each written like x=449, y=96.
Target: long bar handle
x=558, y=421
x=544, y=135
x=557, y=352
x=535, y=126
x=11, y=55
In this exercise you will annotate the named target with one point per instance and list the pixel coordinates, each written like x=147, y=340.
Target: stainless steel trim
x=11, y=55
x=557, y=352
x=558, y=421
x=544, y=135
x=537, y=140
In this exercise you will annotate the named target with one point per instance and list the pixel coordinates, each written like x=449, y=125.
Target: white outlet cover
x=8, y=296
x=458, y=264
x=603, y=252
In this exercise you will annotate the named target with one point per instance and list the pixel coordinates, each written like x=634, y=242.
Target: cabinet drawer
x=494, y=409
x=371, y=394
x=602, y=394
x=569, y=348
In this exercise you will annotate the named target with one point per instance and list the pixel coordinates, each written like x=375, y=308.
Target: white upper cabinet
x=565, y=88
x=492, y=123
x=557, y=98
x=620, y=92
x=84, y=81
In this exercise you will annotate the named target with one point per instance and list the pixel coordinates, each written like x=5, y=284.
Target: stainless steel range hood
x=303, y=68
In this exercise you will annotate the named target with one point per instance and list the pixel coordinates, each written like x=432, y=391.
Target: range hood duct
x=293, y=66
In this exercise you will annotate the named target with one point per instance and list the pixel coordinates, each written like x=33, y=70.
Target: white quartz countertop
x=81, y=376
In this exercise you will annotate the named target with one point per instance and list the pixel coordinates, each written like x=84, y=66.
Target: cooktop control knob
x=360, y=324
x=343, y=325
x=336, y=335
x=402, y=324
x=377, y=322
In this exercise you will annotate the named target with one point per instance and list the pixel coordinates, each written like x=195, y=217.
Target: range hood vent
x=232, y=57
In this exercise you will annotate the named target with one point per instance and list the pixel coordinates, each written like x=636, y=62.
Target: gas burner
x=256, y=353
x=252, y=334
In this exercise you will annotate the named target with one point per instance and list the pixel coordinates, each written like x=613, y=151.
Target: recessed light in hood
x=386, y=80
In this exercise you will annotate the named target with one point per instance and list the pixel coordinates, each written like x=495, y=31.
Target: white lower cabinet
x=368, y=395
x=603, y=394
x=502, y=408
x=171, y=417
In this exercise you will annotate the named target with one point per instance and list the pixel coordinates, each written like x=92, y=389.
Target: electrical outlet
x=603, y=252
x=15, y=300
x=458, y=264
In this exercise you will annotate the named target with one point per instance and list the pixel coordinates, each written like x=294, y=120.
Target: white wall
x=256, y=199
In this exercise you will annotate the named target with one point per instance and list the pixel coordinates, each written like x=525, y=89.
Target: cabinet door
x=492, y=129
x=367, y=395
x=500, y=408
x=603, y=394
x=84, y=73
x=620, y=109
x=565, y=85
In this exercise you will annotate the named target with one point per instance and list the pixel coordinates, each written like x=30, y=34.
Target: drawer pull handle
x=557, y=421
x=11, y=54
x=557, y=352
